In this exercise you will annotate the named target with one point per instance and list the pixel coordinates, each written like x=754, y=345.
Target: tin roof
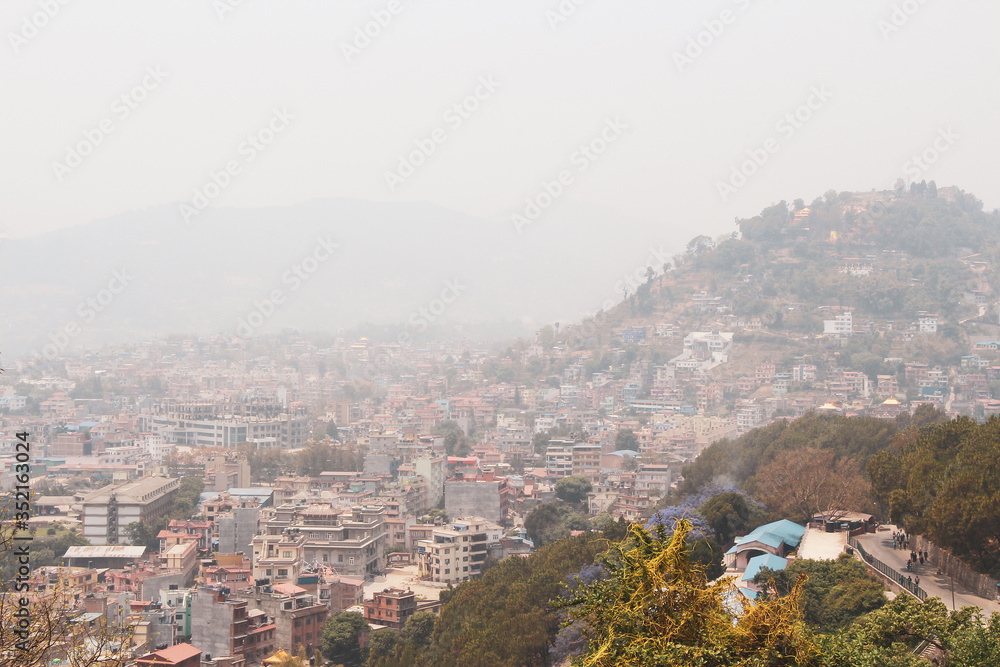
x=108, y=551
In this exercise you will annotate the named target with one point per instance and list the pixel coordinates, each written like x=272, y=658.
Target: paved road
x=880, y=545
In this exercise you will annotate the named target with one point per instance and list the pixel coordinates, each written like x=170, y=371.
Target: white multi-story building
x=714, y=345
x=749, y=415
x=13, y=402
x=840, y=325
x=559, y=458
x=286, y=430
x=927, y=323
x=456, y=552
x=108, y=510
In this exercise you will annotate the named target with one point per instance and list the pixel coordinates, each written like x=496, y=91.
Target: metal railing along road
x=906, y=584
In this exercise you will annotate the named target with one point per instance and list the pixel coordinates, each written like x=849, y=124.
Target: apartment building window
x=282, y=572
x=351, y=560
x=340, y=558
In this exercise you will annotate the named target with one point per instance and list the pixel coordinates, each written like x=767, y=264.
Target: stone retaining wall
x=952, y=566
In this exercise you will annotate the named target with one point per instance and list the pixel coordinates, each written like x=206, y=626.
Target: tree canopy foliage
x=553, y=521
x=342, y=638
x=887, y=636
x=504, y=618
x=800, y=483
x=456, y=443
x=733, y=462
x=656, y=607
x=944, y=481
x=573, y=489
x=834, y=594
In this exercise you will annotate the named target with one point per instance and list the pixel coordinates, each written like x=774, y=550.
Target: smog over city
x=564, y=332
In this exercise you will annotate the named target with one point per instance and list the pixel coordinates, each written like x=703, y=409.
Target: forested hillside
x=885, y=255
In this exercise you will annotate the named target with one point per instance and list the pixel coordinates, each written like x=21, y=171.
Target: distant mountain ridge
x=147, y=273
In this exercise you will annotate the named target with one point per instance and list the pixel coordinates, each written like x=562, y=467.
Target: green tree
x=418, y=629
x=186, y=498
x=505, y=618
x=456, y=443
x=626, y=439
x=887, y=636
x=835, y=592
x=342, y=638
x=382, y=644
x=727, y=514
x=943, y=481
x=552, y=521
x=145, y=534
x=573, y=489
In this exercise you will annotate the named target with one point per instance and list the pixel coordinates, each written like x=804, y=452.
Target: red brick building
x=391, y=607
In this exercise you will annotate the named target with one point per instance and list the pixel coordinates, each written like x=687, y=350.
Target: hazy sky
x=885, y=80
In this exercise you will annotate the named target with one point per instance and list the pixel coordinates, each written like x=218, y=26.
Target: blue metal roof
x=774, y=533
x=770, y=539
x=757, y=563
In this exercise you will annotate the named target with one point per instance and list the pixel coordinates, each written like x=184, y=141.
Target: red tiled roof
x=172, y=654
x=288, y=589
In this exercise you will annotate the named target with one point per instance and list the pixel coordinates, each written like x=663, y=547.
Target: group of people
x=917, y=557
x=900, y=540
